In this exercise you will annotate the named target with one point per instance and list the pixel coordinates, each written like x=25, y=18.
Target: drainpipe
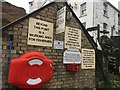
x=10, y=55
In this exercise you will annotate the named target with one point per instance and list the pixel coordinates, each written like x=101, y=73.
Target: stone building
x=19, y=31
x=9, y=12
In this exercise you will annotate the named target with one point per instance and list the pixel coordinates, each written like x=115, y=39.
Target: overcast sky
x=25, y=4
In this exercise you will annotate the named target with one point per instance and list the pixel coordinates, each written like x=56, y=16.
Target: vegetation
x=112, y=81
x=111, y=53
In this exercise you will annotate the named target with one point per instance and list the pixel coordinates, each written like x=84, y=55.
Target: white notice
x=72, y=56
x=61, y=17
x=40, y=33
x=88, y=59
x=72, y=38
x=58, y=44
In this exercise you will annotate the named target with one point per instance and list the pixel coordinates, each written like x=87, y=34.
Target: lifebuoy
x=31, y=70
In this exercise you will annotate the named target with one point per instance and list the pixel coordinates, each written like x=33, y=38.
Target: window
x=105, y=9
x=118, y=19
x=112, y=31
x=84, y=24
x=118, y=32
x=73, y=5
x=31, y=3
x=105, y=26
x=83, y=9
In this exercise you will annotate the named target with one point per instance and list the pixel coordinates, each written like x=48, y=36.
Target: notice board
x=72, y=38
x=72, y=56
x=88, y=59
x=61, y=18
x=40, y=33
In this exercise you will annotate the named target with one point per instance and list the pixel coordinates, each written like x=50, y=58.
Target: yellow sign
x=88, y=59
x=72, y=38
x=40, y=33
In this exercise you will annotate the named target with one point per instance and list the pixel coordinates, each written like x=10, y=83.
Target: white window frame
x=105, y=9
x=83, y=9
x=118, y=19
x=105, y=26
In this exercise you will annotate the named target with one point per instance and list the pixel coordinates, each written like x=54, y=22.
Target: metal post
x=98, y=32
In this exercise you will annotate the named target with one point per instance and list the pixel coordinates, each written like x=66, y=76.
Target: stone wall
x=61, y=78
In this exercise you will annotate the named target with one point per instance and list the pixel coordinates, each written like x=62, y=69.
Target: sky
x=25, y=3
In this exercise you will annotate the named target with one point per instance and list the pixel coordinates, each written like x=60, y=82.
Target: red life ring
x=31, y=70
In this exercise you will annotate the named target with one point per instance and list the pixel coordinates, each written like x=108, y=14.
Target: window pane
x=104, y=26
x=105, y=9
x=118, y=19
x=83, y=9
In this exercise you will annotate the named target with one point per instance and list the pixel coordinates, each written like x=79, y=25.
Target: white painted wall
x=112, y=19
x=119, y=5
x=89, y=7
x=95, y=16
x=89, y=18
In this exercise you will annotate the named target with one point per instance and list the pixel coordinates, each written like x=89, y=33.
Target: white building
x=91, y=13
x=35, y=4
x=119, y=18
x=94, y=12
x=119, y=5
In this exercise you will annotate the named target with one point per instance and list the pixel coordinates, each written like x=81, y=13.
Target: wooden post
x=98, y=32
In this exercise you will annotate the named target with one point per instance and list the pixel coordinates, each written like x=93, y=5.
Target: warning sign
x=72, y=38
x=88, y=59
x=61, y=17
x=40, y=33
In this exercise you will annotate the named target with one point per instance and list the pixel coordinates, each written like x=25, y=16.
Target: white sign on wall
x=58, y=44
x=72, y=56
x=40, y=33
x=72, y=38
x=61, y=18
x=88, y=59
